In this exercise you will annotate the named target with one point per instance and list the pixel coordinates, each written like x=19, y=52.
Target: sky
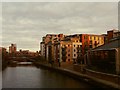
x=25, y=23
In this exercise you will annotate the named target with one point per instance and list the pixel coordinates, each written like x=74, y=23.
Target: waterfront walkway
x=69, y=67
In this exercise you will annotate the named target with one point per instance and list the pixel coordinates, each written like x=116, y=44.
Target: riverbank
x=69, y=70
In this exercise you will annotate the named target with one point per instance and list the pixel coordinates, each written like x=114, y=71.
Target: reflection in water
x=32, y=77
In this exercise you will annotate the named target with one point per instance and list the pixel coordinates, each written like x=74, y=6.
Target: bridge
x=24, y=64
x=21, y=59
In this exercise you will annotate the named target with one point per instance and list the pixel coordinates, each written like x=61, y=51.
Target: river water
x=32, y=77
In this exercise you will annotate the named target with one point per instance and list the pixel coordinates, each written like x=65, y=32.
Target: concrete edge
x=84, y=77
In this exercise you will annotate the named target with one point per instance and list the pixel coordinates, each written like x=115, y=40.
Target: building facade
x=42, y=47
x=12, y=50
x=76, y=44
x=65, y=48
x=112, y=34
x=105, y=55
x=96, y=40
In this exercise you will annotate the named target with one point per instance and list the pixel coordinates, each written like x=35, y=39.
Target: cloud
x=26, y=23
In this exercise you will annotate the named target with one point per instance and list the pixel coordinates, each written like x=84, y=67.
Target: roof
x=42, y=42
x=114, y=30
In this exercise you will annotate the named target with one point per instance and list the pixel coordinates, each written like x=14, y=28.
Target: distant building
x=12, y=48
x=3, y=54
x=2, y=50
x=26, y=53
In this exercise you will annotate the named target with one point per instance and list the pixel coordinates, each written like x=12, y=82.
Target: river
x=32, y=77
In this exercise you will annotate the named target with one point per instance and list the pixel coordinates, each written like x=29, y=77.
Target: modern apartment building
x=59, y=47
x=76, y=44
x=95, y=40
x=66, y=49
x=49, y=40
x=48, y=46
x=42, y=47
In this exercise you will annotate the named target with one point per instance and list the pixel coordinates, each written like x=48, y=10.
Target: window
x=86, y=43
x=90, y=38
x=74, y=50
x=68, y=45
x=90, y=46
x=74, y=45
x=90, y=41
x=98, y=42
x=68, y=50
x=68, y=54
x=74, y=55
x=68, y=59
x=80, y=40
x=98, y=38
x=85, y=37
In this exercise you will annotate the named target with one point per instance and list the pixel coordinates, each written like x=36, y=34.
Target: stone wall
x=104, y=76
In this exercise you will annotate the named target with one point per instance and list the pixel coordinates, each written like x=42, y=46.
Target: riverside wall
x=89, y=77
x=105, y=76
